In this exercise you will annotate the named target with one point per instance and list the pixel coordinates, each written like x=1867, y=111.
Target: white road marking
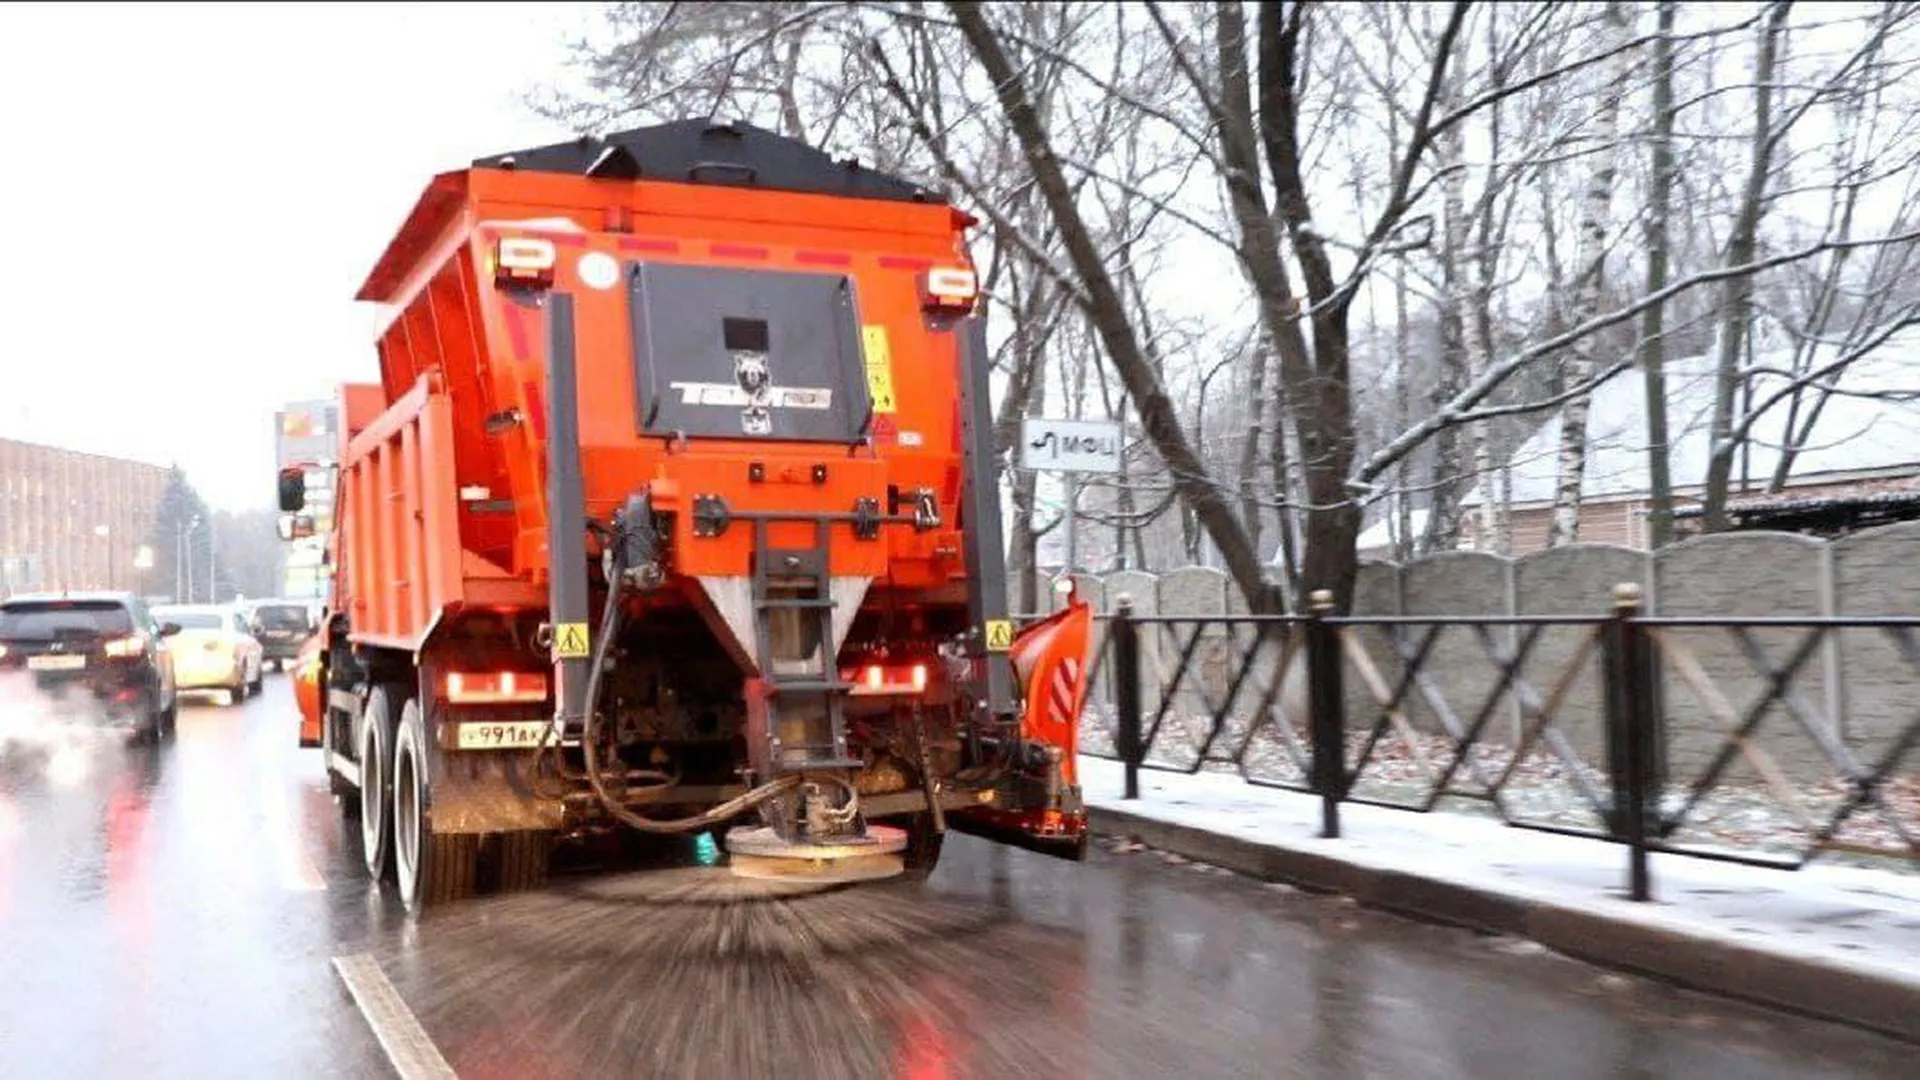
x=411, y=1052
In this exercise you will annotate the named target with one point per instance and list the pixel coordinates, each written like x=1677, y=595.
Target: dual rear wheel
x=398, y=767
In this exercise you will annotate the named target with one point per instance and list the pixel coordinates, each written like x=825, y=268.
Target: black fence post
x=1632, y=738
x=1326, y=706
x=1126, y=692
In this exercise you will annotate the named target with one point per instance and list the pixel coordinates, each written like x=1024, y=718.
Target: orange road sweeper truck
x=674, y=510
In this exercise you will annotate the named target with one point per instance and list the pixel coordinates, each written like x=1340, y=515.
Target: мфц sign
x=1086, y=446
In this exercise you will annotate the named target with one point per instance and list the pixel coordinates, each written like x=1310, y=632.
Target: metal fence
x=1469, y=712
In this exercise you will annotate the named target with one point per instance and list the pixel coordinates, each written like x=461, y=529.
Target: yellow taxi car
x=214, y=650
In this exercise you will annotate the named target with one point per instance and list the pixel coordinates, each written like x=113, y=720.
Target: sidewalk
x=1835, y=942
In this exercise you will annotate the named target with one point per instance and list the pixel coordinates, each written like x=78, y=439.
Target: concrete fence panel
x=1877, y=572
x=1376, y=591
x=1272, y=693
x=1741, y=575
x=1578, y=579
x=1458, y=674
x=1192, y=592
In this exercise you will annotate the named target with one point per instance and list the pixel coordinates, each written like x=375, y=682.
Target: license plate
x=516, y=734
x=56, y=663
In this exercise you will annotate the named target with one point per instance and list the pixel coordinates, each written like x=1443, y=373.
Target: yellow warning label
x=999, y=635
x=879, y=367
x=570, y=641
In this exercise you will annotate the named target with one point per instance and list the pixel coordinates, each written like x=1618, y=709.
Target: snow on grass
x=1542, y=788
x=1844, y=915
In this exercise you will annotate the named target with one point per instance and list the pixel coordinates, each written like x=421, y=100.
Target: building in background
x=307, y=434
x=71, y=520
x=1856, y=463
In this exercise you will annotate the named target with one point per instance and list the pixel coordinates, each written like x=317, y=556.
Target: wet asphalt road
x=175, y=913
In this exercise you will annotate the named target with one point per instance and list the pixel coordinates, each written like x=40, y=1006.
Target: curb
x=1882, y=1002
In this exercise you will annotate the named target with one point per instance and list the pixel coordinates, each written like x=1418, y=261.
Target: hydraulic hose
x=609, y=627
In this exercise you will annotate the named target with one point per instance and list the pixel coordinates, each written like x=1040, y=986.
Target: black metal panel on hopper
x=703, y=152
x=731, y=352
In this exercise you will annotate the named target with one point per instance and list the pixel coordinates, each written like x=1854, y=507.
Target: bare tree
x=1595, y=221
x=1737, y=309
x=1265, y=235
x=1653, y=346
x=1104, y=307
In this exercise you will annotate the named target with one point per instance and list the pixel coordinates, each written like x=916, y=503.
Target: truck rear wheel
x=429, y=868
x=376, y=757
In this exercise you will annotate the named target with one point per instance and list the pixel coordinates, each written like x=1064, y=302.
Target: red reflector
x=495, y=687
x=888, y=680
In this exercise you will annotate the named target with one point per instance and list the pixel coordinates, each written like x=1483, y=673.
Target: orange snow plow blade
x=1043, y=811
x=308, y=695
x=1050, y=660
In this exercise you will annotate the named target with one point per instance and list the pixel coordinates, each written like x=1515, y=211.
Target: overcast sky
x=192, y=195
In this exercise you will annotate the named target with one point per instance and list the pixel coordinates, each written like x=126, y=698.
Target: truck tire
x=429, y=868
x=376, y=770
x=168, y=719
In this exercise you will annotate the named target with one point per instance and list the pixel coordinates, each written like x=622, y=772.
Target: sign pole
x=1072, y=480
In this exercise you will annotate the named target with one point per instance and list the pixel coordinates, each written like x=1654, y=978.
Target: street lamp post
x=183, y=559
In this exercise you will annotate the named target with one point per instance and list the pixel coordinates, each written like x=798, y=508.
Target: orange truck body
x=442, y=523
x=457, y=352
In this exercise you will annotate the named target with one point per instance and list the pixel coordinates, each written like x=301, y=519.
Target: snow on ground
x=1542, y=789
x=1860, y=918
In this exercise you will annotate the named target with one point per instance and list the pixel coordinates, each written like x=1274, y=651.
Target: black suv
x=105, y=645
x=281, y=628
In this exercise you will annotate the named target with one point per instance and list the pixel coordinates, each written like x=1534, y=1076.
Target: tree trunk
x=1653, y=347
x=1282, y=466
x=1324, y=404
x=1449, y=479
x=1480, y=342
x=1104, y=308
x=1255, y=404
x=1799, y=425
x=1026, y=484
x=1595, y=217
x=1737, y=304
x=1403, y=400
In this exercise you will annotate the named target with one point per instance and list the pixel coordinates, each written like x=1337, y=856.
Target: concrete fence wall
x=1860, y=687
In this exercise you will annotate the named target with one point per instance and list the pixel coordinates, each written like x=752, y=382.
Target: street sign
x=1078, y=446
